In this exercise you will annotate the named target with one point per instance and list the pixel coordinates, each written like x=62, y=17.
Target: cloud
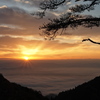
x=21, y=20
x=9, y=26
x=20, y=46
x=68, y=3
x=30, y=6
x=19, y=33
x=4, y=6
x=15, y=41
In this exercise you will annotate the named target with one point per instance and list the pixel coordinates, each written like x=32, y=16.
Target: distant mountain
x=87, y=91
x=13, y=91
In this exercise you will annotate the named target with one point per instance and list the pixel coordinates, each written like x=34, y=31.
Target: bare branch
x=90, y=41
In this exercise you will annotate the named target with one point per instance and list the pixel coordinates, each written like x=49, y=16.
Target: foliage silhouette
x=73, y=19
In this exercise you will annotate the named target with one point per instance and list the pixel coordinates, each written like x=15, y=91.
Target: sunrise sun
x=26, y=58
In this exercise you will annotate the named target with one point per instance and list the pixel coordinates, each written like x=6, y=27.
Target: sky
x=20, y=35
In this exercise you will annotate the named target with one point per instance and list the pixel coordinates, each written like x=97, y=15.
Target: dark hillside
x=13, y=91
x=86, y=91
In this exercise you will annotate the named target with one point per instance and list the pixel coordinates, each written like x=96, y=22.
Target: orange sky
x=19, y=37
x=62, y=47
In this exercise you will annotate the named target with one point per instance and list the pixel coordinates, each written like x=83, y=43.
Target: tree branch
x=51, y=4
x=72, y=21
x=90, y=41
x=83, y=7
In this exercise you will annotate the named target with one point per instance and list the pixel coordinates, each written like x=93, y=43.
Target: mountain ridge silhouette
x=13, y=91
x=87, y=91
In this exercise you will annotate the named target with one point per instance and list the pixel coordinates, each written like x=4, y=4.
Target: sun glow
x=29, y=53
x=26, y=58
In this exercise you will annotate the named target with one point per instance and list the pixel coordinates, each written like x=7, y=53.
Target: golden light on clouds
x=28, y=53
x=56, y=49
x=61, y=48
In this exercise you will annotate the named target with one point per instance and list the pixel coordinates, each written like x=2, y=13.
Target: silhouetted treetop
x=73, y=19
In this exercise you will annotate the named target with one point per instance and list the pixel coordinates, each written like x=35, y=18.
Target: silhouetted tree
x=71, y=19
